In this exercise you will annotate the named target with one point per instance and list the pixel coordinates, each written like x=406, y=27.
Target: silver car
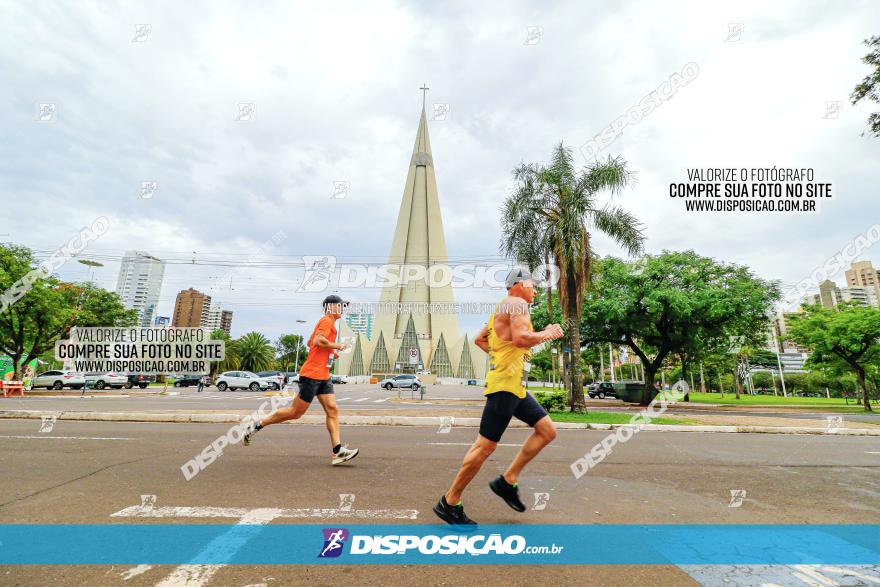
x=59, y=379
x=404, y=381
x=109, y=379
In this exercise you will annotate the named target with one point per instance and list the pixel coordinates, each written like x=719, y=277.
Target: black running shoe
x=509, y=493
x=452, y=514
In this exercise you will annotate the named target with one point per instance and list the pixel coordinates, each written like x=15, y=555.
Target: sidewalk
x=350, y=419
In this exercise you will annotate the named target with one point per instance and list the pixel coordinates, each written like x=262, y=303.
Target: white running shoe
x=249, y=433
x=345, y=454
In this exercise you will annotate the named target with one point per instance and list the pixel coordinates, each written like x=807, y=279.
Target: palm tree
x=230, y=360
x=254, y=351
x=552, y=214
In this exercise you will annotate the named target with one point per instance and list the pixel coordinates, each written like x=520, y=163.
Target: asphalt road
x=82, y=472
x=360, y=397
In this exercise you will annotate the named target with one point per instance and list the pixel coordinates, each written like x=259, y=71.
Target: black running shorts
x=501, y=406
x=309, y=388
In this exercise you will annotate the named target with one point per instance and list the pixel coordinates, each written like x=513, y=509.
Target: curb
x=429, y=421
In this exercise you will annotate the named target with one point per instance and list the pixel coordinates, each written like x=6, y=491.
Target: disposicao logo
x=334, y=540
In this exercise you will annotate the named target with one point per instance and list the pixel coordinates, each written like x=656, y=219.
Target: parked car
x=277, y=377
x=59, y=379
x=187, y=380
x=601, y=390
x=292, y=377
x=243, y=380
x=100, y=380
x=141, y=380
x=341, y=379
x=405, y=381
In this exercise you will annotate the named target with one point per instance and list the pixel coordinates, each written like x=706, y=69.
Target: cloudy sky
x=335, y=89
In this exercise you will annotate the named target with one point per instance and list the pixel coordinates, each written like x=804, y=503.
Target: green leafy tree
x=552, y=215
x=30, y=325
x=848, y=334
x=869, y=88
x=289, y=347
x=660, y=305
x=254, y=351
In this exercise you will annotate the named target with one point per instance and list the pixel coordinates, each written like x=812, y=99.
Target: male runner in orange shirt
x=314, y=379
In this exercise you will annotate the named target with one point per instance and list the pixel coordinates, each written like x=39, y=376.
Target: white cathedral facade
x=415, y=341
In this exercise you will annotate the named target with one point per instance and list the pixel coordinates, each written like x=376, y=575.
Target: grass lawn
x=771, y=400
x=610, y=418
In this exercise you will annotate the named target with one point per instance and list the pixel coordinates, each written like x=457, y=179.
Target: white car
x=243, y=380
x=109, y=379
x=59, y=379
x=403, y=381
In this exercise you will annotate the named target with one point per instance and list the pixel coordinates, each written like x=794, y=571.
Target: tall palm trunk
x=572, y=318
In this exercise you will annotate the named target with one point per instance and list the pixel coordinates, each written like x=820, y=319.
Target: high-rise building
x=782, y=325
x=863, y=274
x=192, y=308
x=362, y=323
x=408, y=340
x=139, y=284
x=830, y=295
x=218, y=318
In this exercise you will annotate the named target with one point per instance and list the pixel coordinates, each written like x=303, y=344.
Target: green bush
x=552, y=401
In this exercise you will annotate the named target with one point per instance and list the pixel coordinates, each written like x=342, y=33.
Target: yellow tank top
x=507, y=364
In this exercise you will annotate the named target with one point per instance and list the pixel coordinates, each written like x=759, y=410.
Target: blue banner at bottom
x=278, y=544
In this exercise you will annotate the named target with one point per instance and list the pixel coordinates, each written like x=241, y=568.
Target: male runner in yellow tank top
x=508, y=338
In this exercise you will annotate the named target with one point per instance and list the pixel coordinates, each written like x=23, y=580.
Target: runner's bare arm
x=322, y=342
x=482, y=339
x=520, y=333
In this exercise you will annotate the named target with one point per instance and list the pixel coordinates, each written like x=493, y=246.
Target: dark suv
x=141, y=380
x=601, y=390
x=187, y=380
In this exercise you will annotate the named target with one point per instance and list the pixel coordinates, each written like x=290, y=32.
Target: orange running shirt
x=315, y=366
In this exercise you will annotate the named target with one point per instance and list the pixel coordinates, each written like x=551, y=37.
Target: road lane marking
x=379, y=401
x=70, y=437
x=223, y=512
x=342, y=399
x=135, y=571
x=228, y=543
x=249, y=522
x=362, y=399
